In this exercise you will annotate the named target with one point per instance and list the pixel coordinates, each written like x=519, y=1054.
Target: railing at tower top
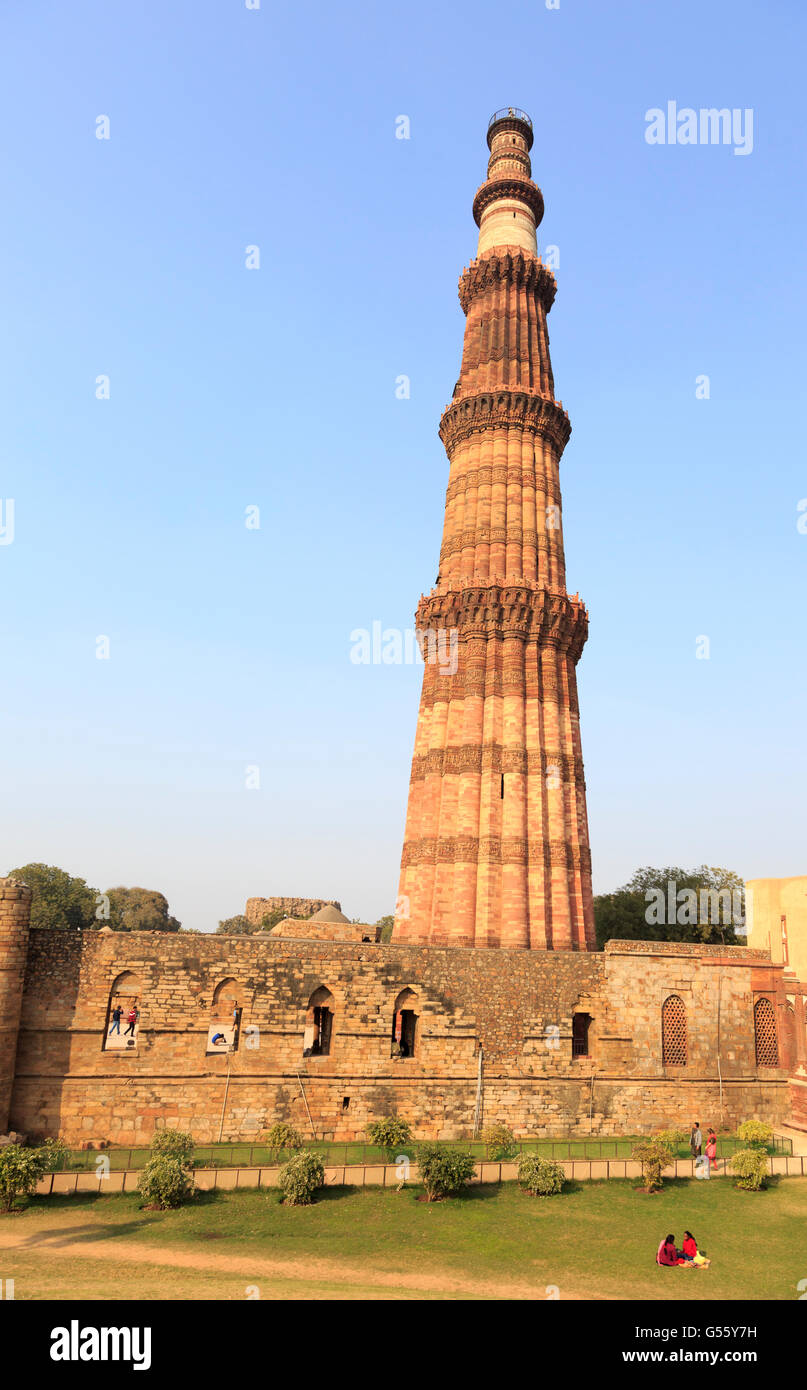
x=511, y=113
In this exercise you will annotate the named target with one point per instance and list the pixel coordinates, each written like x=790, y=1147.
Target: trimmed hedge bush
x=281, y=1137
x=672, y=1139
x=390, y=1134
x=166, y=1181
x=750, y=1167
x=300, y=1178
x=173, y=1143
x=755, y=1133
x=541, y=1177
x=443, y=1170
x=499, y=1142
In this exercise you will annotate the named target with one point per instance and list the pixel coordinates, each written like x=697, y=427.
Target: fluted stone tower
x=15, y=912
x=496, y=849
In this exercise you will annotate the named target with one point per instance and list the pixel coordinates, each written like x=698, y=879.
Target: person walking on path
x=711, y=1150
x=131, y=1019
x=117, y=1015
x=696, y=1140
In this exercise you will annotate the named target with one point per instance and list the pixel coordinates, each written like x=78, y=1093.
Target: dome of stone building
x=329, y=914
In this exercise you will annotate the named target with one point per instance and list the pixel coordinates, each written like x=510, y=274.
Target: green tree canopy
x=386, y=924
x=237, y=926
x=139, y=909
x=58, y=899
x=704, y=905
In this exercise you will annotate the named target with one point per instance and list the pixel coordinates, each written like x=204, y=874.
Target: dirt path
x=434, y=1281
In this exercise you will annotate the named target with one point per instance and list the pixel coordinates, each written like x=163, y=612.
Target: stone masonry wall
x=258, y=908
x=516, y=1005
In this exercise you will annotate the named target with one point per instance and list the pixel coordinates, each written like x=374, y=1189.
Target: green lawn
x=252, y=1155
x=595, y=1241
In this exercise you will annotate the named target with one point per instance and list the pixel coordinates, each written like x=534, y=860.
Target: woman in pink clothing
x=711, y=1150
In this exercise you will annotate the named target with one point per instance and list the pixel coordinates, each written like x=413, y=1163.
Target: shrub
x=165, y=1181
x=653, y=1155
x=391, y=1134
x=173, y=1143
x=672, y=1139
x=755, y=1134
x=20, y=1171
x=57, y=1155
x=750, y=1168
x=281, y=1137
x=541, y=1177
x=443, y=1170
x=499, y=1142
x=299, y=1179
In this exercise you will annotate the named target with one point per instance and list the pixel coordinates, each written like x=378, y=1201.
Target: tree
x=386, y=924
x=300, y=1178
x=443, y=1170
x=139, y=909
x=499, y=1141
x=653, y=1155
x=241, y=925
x=20, y=1171
x=704, y=905
x=750, y=1167
x=541, y=1177
x=390, y=1134
x=167, y=1178
x=237, y=926
x=58, y=899
x=282, y=1137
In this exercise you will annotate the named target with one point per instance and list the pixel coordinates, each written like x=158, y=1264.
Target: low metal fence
x=358, y=1153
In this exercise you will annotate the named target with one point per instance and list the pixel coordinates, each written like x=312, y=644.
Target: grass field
x=252, y=1155
x=595, y=1241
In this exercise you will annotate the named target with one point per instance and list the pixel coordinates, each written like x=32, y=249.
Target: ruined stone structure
x=496, y=849
x=635, y=1038
x=258, y=908
x=776, y=910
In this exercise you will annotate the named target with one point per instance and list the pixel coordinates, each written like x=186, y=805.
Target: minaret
x=496, y=849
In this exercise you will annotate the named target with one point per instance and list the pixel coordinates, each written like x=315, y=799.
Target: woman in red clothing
x=691, y=1253
x=667, y=1253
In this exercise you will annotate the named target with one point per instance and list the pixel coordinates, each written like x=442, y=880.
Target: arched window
x=765, y=1040
x=674, y=1032
x=225, y=1018
x=123, y=1013
x=318, y=1024
x=404, y=1024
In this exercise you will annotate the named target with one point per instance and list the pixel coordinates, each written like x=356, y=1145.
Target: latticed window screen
x=674, y=1032
x=765, y=1034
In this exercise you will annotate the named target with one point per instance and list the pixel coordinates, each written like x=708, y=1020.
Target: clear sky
x=229, y=388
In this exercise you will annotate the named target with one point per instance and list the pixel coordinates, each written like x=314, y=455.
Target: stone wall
x=15, y=909
x=293, y=927
x=258, y=908
x=517, y=1006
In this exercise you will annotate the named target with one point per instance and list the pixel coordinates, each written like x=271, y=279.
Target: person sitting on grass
x=667, y=1253
x=691, y=1253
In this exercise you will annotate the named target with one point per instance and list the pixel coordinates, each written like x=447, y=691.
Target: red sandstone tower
x=496, y=849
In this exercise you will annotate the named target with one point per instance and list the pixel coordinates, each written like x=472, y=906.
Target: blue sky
x=230, y=388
